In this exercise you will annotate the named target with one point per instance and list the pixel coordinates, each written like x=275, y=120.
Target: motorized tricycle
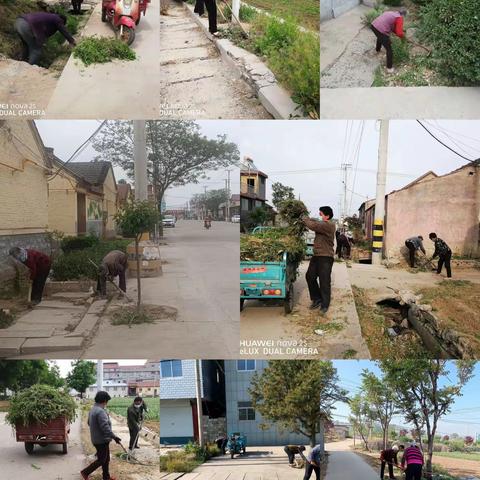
x=124, y=15
x=236, y=444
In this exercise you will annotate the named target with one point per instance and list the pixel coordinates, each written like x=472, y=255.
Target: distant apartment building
x=242, y=416
x=178, y=407
x=128, y=373
x=253, y=187
x=113, y=387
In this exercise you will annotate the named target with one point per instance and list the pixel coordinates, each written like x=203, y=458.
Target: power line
x=445, y=145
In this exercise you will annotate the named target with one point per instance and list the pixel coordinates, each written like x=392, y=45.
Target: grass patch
x=350, y=353
x=6, y=319
x=102, y=50
x=119, y=405
x=130, y=316
x=475, y=456
x=186, y=460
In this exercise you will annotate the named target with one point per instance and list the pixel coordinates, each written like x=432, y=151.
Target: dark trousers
x=199, y=7
x=102, y=283
x=211, y=6
x=309, y=469
x=32, y=50
x=411, y=251
x=38, y=285
x=133, y=438
x=445, y=259
x=390, y=469
x=384, y=40
x=413, y=472
x=318, y=278
x=77, y=6
x=343, y=250
x=291, y=455
x=103, y=460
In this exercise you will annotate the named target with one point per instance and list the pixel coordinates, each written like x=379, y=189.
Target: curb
x=274, y=98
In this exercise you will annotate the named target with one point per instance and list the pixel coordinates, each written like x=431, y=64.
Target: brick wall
x=213, y=428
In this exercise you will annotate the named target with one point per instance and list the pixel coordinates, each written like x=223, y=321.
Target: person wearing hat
x=383, y=26
x=390, y=456
x=413, y=459
x=101, y=435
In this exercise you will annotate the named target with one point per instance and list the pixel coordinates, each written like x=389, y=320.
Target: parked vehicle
x=53, y=432
x=236, y=444
x=124, y=15
x=168, y=221
x=236, y=219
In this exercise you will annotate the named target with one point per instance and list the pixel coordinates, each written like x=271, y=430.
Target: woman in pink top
x=387, y=23
x=413, y=457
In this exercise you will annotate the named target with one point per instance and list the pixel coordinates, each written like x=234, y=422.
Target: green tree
x=134, y=219
x=297, y=394
x=259, y=217
x=177, y=153
x=17, y=375
x=381, y=400
x=210, y=201
x=425, y=393
x=361, y=418
x=280, y=193
x=81, y=376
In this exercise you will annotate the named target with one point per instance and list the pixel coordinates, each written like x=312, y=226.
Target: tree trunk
x=385, y=438
x=429, y=468
x=313, y=437
x=159, y=206
x=139, y=286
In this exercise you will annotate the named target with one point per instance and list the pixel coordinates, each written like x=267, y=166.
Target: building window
x=245, y=365
x=246, y=411
x=171, y=368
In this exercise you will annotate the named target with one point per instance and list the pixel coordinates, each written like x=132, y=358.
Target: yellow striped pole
x=377, y=244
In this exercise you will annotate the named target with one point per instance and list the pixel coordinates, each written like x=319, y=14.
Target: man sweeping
x=390, y=456
x=413, y=244
x=101, y=435
x=383, y=26
x=319, y=271
x=292, y=450
x=134, y=421
x=114, y=264
x=443, y=252
x=34, y=29
x=314, y=459
x=39, y=265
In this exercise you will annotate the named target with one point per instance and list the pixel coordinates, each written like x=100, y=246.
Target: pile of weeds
x=6, y=318
x=102, y=50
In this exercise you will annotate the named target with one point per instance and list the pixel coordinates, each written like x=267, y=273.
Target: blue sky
x=464, y=418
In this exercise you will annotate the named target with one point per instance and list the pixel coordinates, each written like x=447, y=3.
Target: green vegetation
x=188, y=459
x=75, y=264
x=372, y=14
x=102, y=50
x=70, y=244
x=475, y=456
x=40, y=404
x=129, y=316
x=82, y=375
x=119, y=405
x=6, y=319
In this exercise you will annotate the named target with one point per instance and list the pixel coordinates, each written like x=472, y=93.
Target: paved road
x=260, y=463
x=120, y=90
x=45, y=463
x=338, y=332
x=195, y=82
x=344, y=464
x=200, y=280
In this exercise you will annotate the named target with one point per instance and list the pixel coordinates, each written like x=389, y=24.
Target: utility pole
x=236, y=8
x=228, y=196
x=198, y=391
x=345, y=167
x=140, y=160
x=377, y=244
x=205, y=201
x=99, y=375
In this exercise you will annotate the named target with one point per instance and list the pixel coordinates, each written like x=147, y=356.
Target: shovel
x=428, y=262
x=113, y=283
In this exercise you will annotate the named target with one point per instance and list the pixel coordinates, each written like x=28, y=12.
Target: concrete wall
x=333, y=8
x=237, y=386
x=23, y=181
x=448, y=205
x=176, y=422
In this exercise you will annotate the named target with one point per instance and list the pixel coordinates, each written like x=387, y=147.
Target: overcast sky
x=66, y=365
x=308, y=155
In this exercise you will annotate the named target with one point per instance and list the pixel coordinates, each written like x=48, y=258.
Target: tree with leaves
x=381, y=400
x=361, y=418
x=134, y=219
x=210, y=201
x=177, y=152
x=20, y=374
x=81, y=376
x=425, y=393
x=280, y=193
x=297, y=394
x=259, y=217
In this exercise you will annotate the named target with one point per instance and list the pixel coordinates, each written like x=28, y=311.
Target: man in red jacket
x=384, y=25
x=39, y=265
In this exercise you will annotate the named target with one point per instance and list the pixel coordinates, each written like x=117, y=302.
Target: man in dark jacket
x=413, y=244
x=39, y=265
x=101, y=435
x=113, y=264
x=320, y=268
x=77, y=7
x=34, y=29
x=390, y=457
x=134, y=421
x=343, y=245
x=292, y=450
x=443, y=252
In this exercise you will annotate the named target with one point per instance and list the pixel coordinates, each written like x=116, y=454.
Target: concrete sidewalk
x=343, y=463
x=118, y=89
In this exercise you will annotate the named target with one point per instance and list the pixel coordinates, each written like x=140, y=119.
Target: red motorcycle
x=124, y=15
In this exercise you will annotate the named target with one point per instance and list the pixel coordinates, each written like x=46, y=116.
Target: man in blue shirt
x=313, y=463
